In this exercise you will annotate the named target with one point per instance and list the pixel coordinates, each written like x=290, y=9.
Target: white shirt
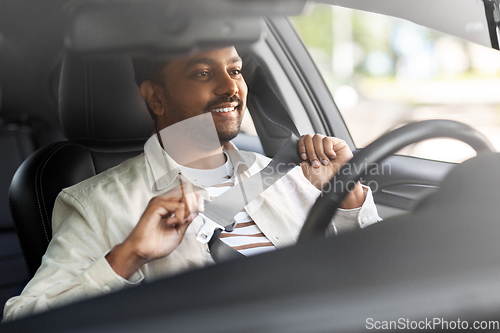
x=246, y=238
x=93, y=216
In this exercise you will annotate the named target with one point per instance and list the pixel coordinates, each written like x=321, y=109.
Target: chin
x=227, y=136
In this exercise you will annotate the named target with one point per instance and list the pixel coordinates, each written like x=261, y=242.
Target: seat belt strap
x=219, y=213
x=220, y=251
x=266, y=98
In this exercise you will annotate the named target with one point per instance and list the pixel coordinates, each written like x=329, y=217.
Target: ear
x=150, y=93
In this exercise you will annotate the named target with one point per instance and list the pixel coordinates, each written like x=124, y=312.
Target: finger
x=201, y=204
x=188, y=219
x=171, y=211
x=180, y=212
x=339, y=145
x=320, y=150
x=181, y=228
x=189, y=197
x=192, y=203
x=172, y=221
x=342, y=149
x=310, y=151
x=302, y=148
x=196, y=208
x=195, y=203
x=305, y=167
x=328, y=147
x=182, y=186
x=163, y=206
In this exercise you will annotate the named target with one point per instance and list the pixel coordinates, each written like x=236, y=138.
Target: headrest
x=99, y=100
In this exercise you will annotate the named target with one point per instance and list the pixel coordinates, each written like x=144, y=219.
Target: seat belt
x=266, y=98
x=219, y=213
x=220, y=251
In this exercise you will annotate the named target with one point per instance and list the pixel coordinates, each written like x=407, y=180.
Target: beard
x=227, y=129
x=229, y=132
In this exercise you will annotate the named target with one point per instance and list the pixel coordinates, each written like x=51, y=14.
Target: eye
x=203, y=73
x=235, y=72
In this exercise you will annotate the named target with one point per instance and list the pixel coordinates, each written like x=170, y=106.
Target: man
x=138, y=220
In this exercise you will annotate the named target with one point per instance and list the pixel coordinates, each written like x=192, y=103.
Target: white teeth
x=223, y=109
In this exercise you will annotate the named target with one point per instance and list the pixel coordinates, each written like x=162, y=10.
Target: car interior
x=66, y=116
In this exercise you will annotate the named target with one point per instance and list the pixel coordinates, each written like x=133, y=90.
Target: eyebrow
x=210, y=61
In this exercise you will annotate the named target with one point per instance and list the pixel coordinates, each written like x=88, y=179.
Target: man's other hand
x=323, y=157
x=160, y=230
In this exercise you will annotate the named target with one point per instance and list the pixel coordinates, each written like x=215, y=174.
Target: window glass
x=384, y=72
x=247, y=124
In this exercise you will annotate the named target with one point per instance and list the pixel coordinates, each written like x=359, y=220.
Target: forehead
x=224, y=56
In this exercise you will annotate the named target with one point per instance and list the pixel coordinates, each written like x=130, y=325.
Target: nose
x=226, y=85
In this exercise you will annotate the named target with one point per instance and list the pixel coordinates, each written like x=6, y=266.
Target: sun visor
x=472, y=20
x=172, y=27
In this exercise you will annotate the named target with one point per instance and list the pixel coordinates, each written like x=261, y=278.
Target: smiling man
x=208, y=82
x=138, y=221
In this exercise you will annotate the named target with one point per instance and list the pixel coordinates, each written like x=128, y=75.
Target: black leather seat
x=105, y=122
x=16, y=144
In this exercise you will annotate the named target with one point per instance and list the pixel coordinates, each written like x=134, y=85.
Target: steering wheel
x=322, y=212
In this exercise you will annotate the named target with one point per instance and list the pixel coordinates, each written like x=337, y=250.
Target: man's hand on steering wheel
x=323, y=157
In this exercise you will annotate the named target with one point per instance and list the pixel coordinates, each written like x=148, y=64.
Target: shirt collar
x=163, y=170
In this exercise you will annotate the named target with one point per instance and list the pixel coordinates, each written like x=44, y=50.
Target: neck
x=192, y=154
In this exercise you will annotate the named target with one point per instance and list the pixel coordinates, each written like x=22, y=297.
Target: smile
x=223, y=109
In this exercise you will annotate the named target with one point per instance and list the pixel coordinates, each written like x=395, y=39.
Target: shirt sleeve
x=74, y=266
x=361, y=217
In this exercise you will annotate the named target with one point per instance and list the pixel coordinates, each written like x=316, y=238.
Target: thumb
x=183, y=226
x=304, y=165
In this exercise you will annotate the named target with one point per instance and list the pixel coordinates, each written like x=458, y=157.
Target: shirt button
x=106, y=289
x=277, y=237
x=364, y=220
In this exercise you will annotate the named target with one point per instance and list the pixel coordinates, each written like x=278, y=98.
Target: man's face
x=206, y=82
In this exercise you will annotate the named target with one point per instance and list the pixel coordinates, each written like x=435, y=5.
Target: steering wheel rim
x=327, y=204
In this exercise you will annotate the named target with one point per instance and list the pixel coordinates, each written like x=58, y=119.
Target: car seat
x=105, y=122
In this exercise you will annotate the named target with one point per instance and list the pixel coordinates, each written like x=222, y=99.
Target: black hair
x=148, y=69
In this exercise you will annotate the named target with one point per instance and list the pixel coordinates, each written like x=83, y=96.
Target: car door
x=401, y=180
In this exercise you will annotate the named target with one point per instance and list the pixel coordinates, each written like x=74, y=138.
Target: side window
x=384, y=72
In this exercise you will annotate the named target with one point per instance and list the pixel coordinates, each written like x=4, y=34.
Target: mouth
x=223, y=110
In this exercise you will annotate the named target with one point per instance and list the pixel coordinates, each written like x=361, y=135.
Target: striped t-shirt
x=246, y=237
